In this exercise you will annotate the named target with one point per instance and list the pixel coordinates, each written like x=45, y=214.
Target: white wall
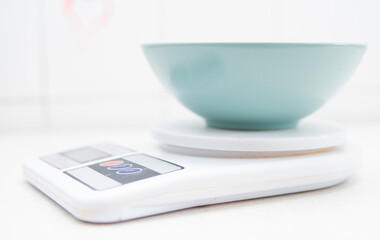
x=80, y=65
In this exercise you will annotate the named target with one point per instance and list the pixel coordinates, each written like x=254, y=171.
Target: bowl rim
x=257, y=44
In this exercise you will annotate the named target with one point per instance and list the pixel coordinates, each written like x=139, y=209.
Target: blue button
x=118, y=167
x=129, y=171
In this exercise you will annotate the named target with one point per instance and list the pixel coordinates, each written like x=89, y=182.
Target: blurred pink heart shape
x=87, y=21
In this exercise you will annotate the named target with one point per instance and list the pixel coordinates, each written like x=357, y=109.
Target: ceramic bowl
x=253, y=85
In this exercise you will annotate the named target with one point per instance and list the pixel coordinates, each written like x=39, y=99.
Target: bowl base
x=251, y=125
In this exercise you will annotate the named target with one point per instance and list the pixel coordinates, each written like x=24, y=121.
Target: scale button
x=129, y=171
x=121, y=166
x=111, y=163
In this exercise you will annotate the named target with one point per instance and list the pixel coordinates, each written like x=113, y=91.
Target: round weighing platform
x=195, y=137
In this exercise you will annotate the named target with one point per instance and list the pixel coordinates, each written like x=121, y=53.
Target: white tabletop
x=348, y=211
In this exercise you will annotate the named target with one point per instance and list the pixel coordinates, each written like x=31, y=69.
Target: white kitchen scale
x=191, y=165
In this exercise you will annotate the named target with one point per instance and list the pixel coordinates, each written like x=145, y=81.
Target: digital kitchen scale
x=191, y=165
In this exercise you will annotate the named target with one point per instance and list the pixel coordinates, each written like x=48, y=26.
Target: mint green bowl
x=253, y=85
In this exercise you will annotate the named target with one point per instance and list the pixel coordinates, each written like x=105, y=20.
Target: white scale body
x=193, y=166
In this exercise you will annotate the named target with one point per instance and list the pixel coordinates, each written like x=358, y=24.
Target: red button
x=111, y=163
